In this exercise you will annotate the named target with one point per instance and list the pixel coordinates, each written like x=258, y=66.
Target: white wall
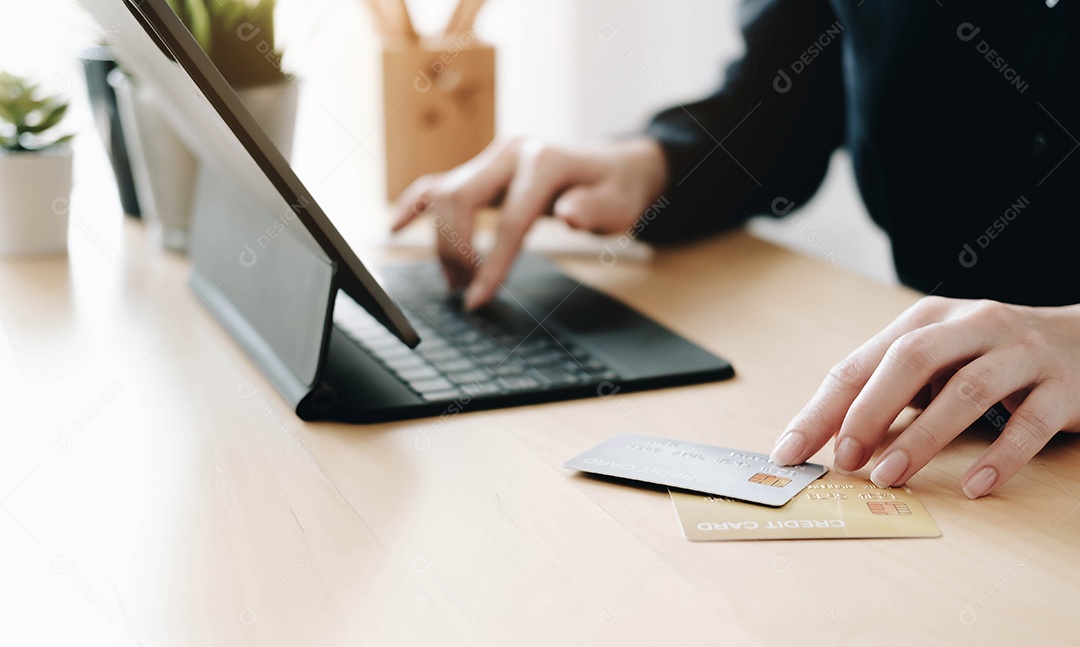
x=638, y=56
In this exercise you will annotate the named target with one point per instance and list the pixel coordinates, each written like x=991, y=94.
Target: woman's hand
x=961, y=357
x=603, y=190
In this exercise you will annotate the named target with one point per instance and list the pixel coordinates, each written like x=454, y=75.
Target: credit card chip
x=769, y=479
x=888, y=507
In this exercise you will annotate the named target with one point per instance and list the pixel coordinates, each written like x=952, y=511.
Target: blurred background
x=568, y=71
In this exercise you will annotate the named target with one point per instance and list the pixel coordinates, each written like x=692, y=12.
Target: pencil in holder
x=439, y=105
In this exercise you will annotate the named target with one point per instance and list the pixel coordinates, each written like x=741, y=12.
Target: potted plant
x=35, y=169
x=238, y=35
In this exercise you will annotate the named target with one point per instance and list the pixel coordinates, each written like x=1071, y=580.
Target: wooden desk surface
x=156, y=491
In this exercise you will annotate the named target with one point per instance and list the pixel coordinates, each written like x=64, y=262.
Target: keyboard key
x=447, y=395
x=432, y=340
x=417, y=373
x=490, y=327
x=577, y=352
x=431, y=386
x=590, y=366
x=543, y=357
x=509, y=340
x=451, y=329
x=491, y=359
x=481, y=347
x=455, y=366
x=468, y=377
x=469, y=336
x=553, y=376
x=518, y=383
x=403, y=362
x=600, y=376
x=389, y=354
x=535, y=345
x=381, y=340
x=593, y=364
x=481, y=389
x=506, y=369
x=440, y=354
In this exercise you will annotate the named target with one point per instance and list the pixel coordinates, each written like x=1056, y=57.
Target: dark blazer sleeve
x=762, y=143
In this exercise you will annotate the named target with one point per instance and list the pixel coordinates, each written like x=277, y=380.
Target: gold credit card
x=833, y=507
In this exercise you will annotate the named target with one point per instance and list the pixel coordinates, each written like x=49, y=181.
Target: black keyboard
x=469, y=355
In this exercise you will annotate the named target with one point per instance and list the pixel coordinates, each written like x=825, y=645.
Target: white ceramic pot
x=274, y=108
x=35, y=193
x=164, y=168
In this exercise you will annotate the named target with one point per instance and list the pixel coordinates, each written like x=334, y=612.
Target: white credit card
x=747, y=476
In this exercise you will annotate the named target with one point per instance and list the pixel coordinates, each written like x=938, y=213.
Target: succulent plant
x=28, y=116
x=238, y=35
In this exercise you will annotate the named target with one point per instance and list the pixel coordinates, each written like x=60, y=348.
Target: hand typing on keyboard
x=604, y=190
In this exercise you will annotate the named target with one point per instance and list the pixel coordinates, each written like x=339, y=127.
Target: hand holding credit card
x=747, y=476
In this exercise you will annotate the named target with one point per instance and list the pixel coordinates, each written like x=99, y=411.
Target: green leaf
x=24, y=105
x=43, y=117
x=7, y=113
x=27, y=110
x=54, y=114
x=215, y=25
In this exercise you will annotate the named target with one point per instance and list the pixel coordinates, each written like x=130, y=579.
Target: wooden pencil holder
x=439, y=102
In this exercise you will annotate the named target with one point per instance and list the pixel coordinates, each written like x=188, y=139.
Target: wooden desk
x=155, y=490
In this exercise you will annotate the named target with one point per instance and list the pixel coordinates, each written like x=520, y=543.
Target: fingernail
x=890, y=469
x=849, y=455
x=419, y=206
x=472, y=297
x=788, y=449
x=980, y=482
